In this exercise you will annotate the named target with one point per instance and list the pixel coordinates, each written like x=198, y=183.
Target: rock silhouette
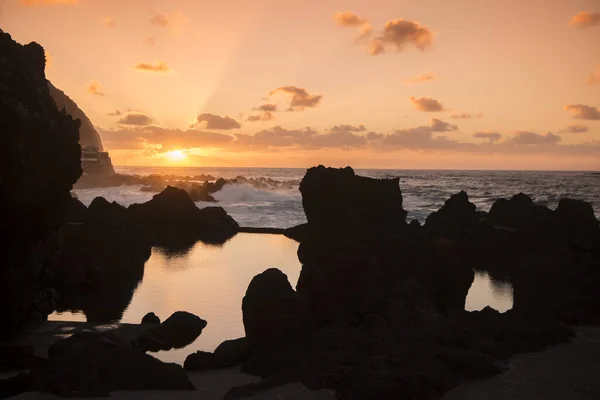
x=39, y=164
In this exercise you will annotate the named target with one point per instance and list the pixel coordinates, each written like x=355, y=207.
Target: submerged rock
x=177, y=331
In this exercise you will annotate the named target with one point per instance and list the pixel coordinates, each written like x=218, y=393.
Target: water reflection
x=488, y=290
x=210, y=281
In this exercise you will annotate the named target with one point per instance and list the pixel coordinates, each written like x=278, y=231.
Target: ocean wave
x=248, y=193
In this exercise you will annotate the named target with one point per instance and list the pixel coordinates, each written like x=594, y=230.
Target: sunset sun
x=175, y=155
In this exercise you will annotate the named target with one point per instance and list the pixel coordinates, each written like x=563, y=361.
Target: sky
x=434, y=84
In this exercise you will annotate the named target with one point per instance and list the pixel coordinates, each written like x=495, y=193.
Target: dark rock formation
x=519, y=212
x=228, y=354
x=297, y=233
x=388, y=300
x=88, y=136
x=177, y=331
x=94, y=364
x=151, y=318
x=200, y=360
x=171, y=217
x=275, y=316
x=40, y=162
x=77, y=211
x=336, y=201
x=456, y=218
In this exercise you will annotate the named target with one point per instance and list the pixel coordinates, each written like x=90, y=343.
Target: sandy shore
x=564, y=372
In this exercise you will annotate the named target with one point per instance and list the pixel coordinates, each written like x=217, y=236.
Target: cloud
x=585, y=19
x=420, y=78
x=266, y=108
x=348, y=128
x=492, y=137
x=582, y=111
x=212, y=121
x=465, y=115
x=594, y=78
x=95, y=88
x=115, y=113
x=400, y=33
x=304, y=138
x=348, y=19
x=532, y=138
x=579, y=128
x=155, y=139
x=437, y=125
x=158, y=66
x=136, y=118
x=110, y=22
x=266, y=116
x=426, y=104
x=160, y=19
x=46, y=2
x=150, y=41
x=300, y=98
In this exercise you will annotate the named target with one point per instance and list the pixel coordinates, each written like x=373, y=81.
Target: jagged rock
x=338, y=202
x=95, y=364
x=275, y=316
x=151, y=318
x=177, y=331
x=77, y=211
x=457, y=217
x=172, y=218
x=39, y=163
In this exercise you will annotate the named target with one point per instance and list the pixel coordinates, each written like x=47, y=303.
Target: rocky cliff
x=88, y=136
x=39, y=164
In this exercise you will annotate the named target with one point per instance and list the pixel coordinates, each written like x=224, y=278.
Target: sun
x=175, y=155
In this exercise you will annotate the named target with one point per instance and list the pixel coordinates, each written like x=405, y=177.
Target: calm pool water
x=210, y=281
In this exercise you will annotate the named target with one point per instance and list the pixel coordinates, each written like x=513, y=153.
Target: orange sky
x=511, y=84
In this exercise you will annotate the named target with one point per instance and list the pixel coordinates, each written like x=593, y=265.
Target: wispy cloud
x=95, y=88
x=465, y=115
x=135, y=119
x=46, y=2
x=420, y=78
x=157, y=66
x=578, y=128
x=594, y=78
x=585, y=19
x=300, y=98
x=213, y=121
x=109, y=22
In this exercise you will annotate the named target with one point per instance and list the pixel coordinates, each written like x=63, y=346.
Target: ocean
x=277, y=203
x=210, y=281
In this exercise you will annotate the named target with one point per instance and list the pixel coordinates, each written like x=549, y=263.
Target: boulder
x=297, y=233
x=275, y=316
x=177, y=331
x=198, y=361
x=231, y=352
x=92, y=364
x=151, y=318
x=519, y=212
x=577, y=216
